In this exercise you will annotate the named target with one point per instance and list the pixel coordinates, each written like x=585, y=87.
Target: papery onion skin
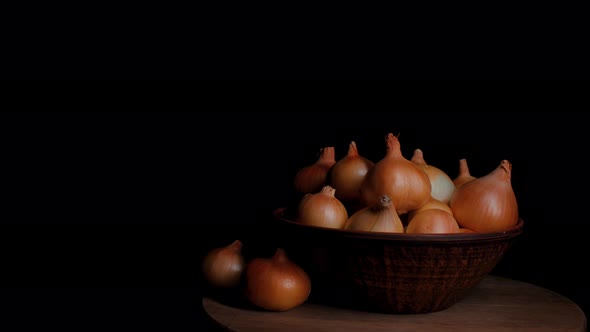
x=464, y=175
x=380, y=217
x=405, y=182
x=312, y=178
x=223, y=267
x=277, y=283
x=488, y=203
x=347, y=174
x=432, y=221
x=442, y=185
x=322, y=209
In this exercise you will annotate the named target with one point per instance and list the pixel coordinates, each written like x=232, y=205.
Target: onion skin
x=441, y=184
x=380, y=217
x=322, y=209
x=464, y=175
x=488, y=203
x=405, y=182
x=276, y=284
x=432, y=221
x=311, y=178
x=348, y=173
x=223, y=267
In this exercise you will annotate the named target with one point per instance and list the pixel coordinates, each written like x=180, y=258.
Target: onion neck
x=505, y=169
x=235, y=246
x=327, y=156
x=280, y=256
x=328, y=190
x=352, y=150
x=383, y=203
x=393, y=146
x=418, y=157
x=463, y=168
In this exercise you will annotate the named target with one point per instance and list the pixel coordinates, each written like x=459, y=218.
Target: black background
x=295, y=41
x=111, y=199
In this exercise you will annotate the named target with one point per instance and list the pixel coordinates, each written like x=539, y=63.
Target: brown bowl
x=391, y=273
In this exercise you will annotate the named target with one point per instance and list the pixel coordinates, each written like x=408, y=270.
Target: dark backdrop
x=106, y=214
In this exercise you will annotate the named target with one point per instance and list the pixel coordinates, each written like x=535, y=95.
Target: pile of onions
x=432, y=221
x=277, y=283
x=322, y=209
x=311, y=178
x=464, y=174
x=487, y=203
x=348, y=173
x=401, y=179
x=223, y=266
x=380, y=217
x=442, y=185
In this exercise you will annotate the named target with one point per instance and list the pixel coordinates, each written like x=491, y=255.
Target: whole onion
x=432, y=221
x=442, y=185
x=276, y=283
x=380, y=217
x=487, y=203
x=223, y=266
x=348, y=173
x=322, y=209
x=406, y=183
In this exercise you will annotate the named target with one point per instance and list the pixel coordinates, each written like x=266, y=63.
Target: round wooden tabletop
x=495, y=304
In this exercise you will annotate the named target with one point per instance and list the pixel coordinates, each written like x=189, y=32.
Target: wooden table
x=496, y=304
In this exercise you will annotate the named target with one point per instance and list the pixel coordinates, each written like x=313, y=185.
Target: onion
x=432, y=221
x=464, y=175
x=312, y=178
x=322, y=209
x=442, y=185
x=488, y=203
x=348, y=173
x=432, y=203
x=380, y=217
x=276, y=283
x=405, y=182
x=223, y=266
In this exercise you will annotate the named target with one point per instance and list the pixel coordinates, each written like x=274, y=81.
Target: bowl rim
x=279, y=214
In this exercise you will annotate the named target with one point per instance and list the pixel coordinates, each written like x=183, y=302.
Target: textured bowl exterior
x=392, y=273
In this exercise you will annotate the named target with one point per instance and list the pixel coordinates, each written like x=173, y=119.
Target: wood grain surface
x=496, y=304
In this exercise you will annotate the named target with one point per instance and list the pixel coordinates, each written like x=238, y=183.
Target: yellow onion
x=441, y=184
x=487, y=203
x=432, y=203
x=380, y=217
x=277, y=283
x=223, y=266
x=348, y=173
x=432, y=221
x=405, y=182
x=322, y=209
x=312, y=178
x=464, y=175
